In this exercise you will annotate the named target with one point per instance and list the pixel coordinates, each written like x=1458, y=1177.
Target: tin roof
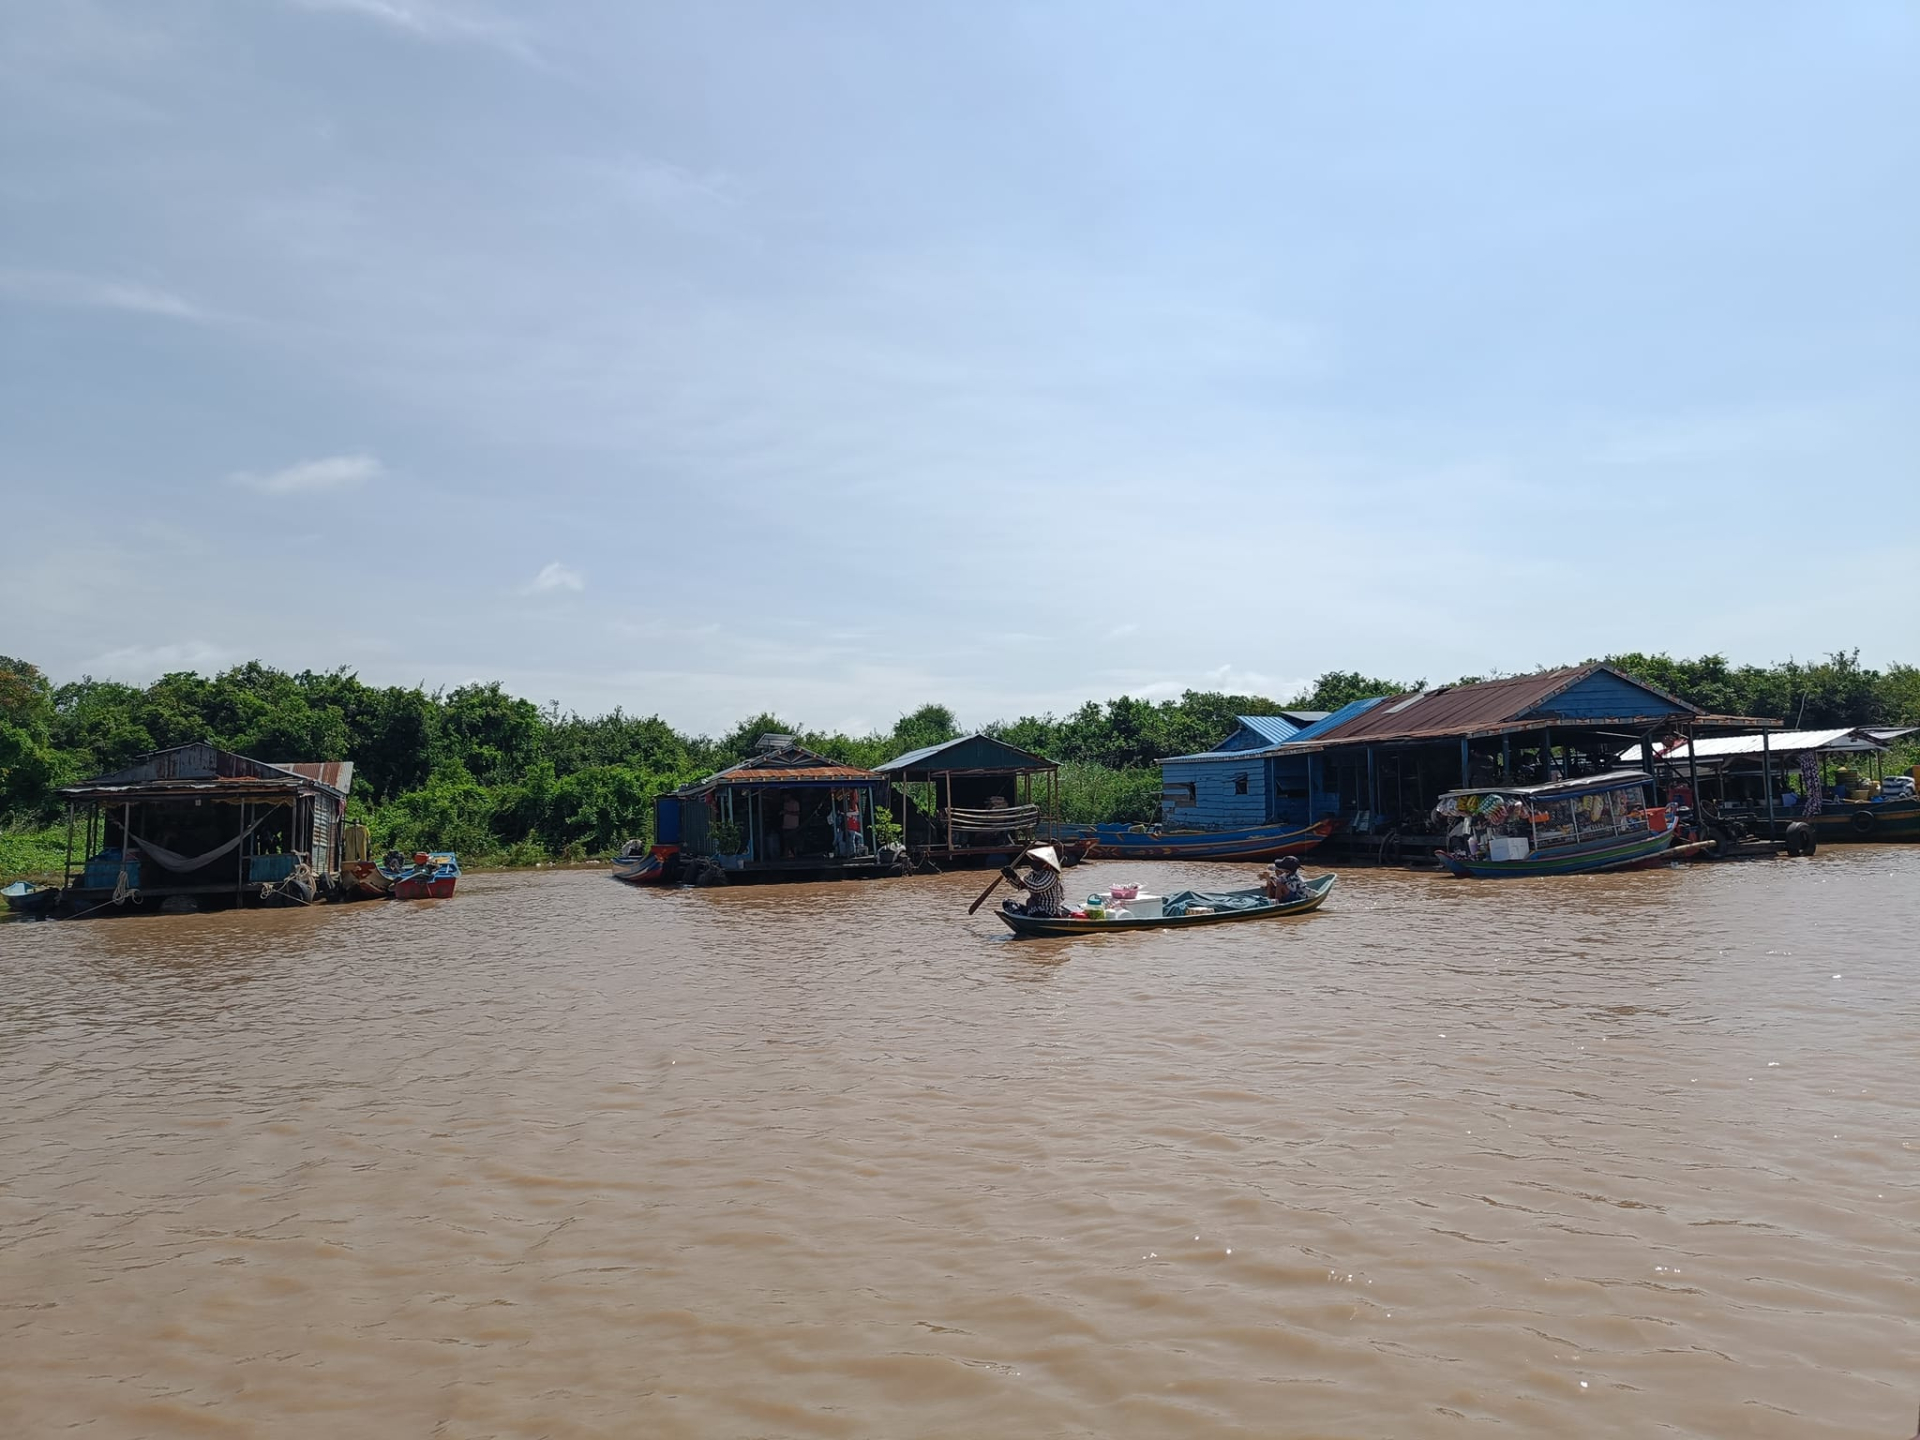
x=1270, y=728
x=334, y=774
x=1494, y=705
x=1779, y=742
x=1289, y=737
x=792, y=765
x=203, y=768
x=1562, y=789
x=969, y=752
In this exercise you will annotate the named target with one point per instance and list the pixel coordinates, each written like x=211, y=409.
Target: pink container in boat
x=1124, y=892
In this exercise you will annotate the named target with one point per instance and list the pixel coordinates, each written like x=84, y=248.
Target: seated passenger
x=1284, y=882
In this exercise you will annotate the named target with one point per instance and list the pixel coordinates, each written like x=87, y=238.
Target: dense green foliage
x=494, y=776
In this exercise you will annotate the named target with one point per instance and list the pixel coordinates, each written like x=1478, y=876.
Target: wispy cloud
x=138, y=664
x=555, y=577
x=90, y=292
x=430, y=20
x=335, y=472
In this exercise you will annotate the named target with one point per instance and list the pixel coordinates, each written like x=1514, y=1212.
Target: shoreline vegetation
x=512, y=785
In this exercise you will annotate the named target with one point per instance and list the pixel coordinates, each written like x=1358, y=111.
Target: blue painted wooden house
x=1233, y=785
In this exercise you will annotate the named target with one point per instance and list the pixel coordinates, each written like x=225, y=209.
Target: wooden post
x=1466, y=766
x=1693, y=773
x=1373, y=791
x=1766, y=777
x=240, y=870
x=66, y=867
x=1506, y=756
x=1546, y=755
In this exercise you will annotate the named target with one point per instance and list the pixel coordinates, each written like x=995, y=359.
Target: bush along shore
x=505, y=782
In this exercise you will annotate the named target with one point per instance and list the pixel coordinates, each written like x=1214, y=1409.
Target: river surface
x=1603, y=1156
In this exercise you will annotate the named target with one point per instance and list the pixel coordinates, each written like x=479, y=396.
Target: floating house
x=205, y=823
x=784, y=813
x=1379, y=765
x=972, y=801
x=1236, y=784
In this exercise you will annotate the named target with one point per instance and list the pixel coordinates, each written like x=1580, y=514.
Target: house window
x=1176, y=794
x=1240, y=783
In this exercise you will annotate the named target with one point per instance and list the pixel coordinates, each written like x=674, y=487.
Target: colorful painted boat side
x=1038, y=926
x=432, y=877
x=650, y=867
x=1132, y=842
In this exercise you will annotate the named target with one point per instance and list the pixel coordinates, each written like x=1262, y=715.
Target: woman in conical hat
x=1045, y=894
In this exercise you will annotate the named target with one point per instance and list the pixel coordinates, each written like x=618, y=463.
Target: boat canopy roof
x=1562, y=789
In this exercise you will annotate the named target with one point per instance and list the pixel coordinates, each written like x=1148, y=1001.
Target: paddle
x=986, y=892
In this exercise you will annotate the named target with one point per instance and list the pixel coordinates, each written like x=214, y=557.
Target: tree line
x=492, y=775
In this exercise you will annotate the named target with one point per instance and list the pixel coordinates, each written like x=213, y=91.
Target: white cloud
x=336, y=472
x=87, y=292
x=555, y=577
x=431, y=20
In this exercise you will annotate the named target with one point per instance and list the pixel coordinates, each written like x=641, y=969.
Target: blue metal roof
x=1271, y=728
x=1338, y=718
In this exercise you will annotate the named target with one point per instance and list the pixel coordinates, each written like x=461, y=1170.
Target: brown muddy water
x=1629, y=1156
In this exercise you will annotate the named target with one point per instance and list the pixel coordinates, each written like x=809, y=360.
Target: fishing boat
x=432, y=877
x=1566, y=827
x=1176, y=912
x=26, y=898
x=639, y=864
x=1159, y=842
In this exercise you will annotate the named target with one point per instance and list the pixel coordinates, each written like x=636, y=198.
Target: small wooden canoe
x=26, y=898
x=1318, y=889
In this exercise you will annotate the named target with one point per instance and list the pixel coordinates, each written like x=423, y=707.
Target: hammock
x=180, y=864
x=1011, y=817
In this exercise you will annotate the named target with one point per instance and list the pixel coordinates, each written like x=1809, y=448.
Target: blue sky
x=839, y=357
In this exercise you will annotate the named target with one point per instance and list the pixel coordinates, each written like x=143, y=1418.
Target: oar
x=986, y=892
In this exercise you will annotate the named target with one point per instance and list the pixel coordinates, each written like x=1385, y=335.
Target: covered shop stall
x=784, y=813
x=206, y=824
x=972, y=801
x=1834, y=781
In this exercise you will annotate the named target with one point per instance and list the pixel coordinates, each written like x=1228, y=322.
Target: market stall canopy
x=1856, y=739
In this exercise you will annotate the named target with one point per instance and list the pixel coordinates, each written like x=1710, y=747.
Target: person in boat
x=1046, y=895
x=1284, y=882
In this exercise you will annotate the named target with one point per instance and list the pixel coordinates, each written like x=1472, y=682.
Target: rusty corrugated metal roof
x=1457, y=710
x=199, y=766
x=790, y=765
x=334, y=774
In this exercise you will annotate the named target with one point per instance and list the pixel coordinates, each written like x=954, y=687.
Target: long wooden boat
x=1527, y=830
x=1318, y=888
x=433, y=876
x=1139, y=842
x=1859, y=821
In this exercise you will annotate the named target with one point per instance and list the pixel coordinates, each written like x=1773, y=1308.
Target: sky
x=835, y=358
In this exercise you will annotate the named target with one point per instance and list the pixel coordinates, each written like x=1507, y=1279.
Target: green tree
x=1342, y=687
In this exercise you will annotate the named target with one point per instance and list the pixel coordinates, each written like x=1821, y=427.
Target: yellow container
x=1858, y=793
